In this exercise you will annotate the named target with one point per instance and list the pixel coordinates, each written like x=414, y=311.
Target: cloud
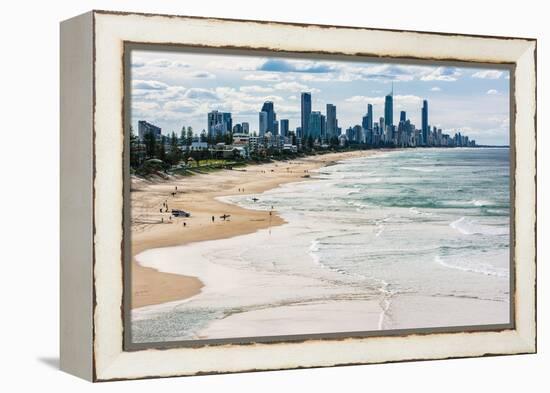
x=492, y=92
x=140, y=106
x=266, y=77
x=201, y=94
x=201, y=74
x=256, y=89
x=148, y=85
x=488, y=74
x=386, y=72
x=398, y=99
x=180, y=106
x=445, y=74
x=435, y=88
x=165, y=63
x=238, y=63
x=295, y=87
x=272, y=98
x=137, y=62
x=280, y=65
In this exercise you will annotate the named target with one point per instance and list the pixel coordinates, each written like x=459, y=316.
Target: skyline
x=175, y=89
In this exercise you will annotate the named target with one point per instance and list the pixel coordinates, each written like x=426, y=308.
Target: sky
x=174, y=89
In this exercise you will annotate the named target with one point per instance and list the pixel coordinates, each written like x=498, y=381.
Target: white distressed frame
x=111, y=30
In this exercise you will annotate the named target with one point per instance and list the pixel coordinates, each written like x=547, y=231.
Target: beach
x=392, y=240
x=200, y=195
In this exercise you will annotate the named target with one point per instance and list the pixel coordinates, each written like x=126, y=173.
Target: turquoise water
x=400, y=226
x=413, y=219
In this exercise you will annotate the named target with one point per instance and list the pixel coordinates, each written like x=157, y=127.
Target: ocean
x=397, y=240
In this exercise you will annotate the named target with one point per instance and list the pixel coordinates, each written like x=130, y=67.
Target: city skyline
x=170, y=97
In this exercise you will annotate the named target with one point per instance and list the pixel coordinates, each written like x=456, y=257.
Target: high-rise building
x=219, y=123
x=306, y=112
x=275, y=130
x=323, y=127
x=332, y=123
x=314, y=126
x=425, y=122
x=271, y=116
x=145, y=128
x=246, y=127
x=388, y=108
x=358, y=134
x=369, y=117
x=365, y=122
x=283, y=127
x=263, y=116
x=403, y=116
x=226, y=118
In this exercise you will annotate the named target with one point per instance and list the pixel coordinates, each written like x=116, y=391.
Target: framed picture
x=248, y=195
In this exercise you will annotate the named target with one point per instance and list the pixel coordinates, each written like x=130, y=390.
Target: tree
x=228, y=140
x=189, y=139
x=183, y=138
x=134, y=149
x=310, y=142
x=219, y=138
x=203, y=136
x=161, y=151
x=174, y=155
x=150, y=144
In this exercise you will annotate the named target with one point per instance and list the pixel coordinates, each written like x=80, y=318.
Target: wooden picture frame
x=94, y=299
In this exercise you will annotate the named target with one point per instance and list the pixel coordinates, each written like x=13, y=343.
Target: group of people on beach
x=165, y=209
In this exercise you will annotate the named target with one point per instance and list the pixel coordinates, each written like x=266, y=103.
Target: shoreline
x=280, y=280
x=199, y=195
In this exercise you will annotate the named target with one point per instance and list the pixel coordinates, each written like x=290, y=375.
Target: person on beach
x=184, y=224
x=212, y=218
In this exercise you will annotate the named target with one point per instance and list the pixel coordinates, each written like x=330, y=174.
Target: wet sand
x=197, y=194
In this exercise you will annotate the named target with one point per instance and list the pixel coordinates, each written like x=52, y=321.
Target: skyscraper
x=145, y=128
x=228, y=121
x=369, y=117
x=323, y=127
x=263, y=123
x=246, y=127
x=332, y=124
x=365, y=122
x=388, y=109
x=425, y=122
x=314, y=126
x=219, y=123
x=403, y=116
x=271, y=116
x=283, y=127
x=306, y=112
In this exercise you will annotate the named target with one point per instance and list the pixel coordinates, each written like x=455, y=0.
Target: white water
x=367, y=238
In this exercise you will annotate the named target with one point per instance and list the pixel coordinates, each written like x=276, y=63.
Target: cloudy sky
x=173, y=89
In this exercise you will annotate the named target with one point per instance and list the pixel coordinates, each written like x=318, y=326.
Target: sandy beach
x=348, y=257
x=153, y=226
